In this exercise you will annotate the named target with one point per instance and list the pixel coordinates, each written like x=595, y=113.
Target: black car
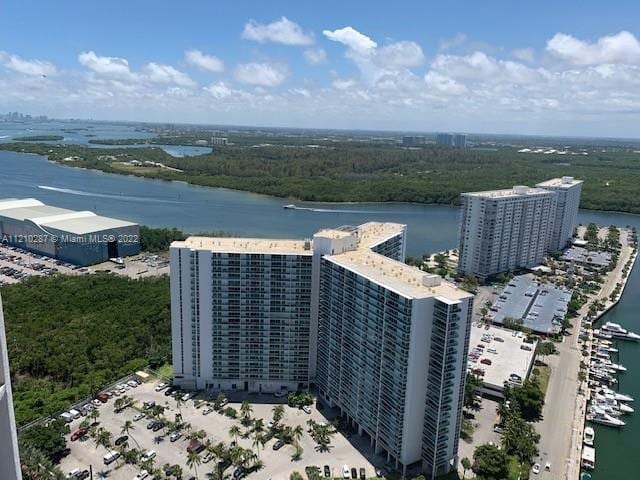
x=224, y=464
x=169, y=391
x=363, y=474
x=267, y=436
x=121, y=440
x=238, y=473
x=278, y=445
x=157, y=426
x=354, y=473
x=327, y=471
x=82, y=475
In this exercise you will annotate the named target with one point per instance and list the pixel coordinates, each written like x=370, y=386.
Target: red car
x=78, y=434
x=485, y=361
x=102, y=397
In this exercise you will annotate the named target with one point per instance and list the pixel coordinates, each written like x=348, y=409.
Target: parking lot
x=17, y=264
x=353, y=451
x=484, y=417
x=143, y=265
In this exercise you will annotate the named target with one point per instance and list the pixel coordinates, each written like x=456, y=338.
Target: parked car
x=133, y=384
x=142, y=475
x=168, y=392
x=157, y=426
x=148, y=404
x=120, y=440
x=278, y=445
x=138, y=416
x=327, y=471
x=186, y=397
x=354, y=472
x=306, y=409
x=363, y=474
x=148, y=455
x=161, y=387
x=536, y=468
x=238, y=473
x=345, y=471
x=485, y=361
x=81, y=432
x=195, y=446
x=103, y=397
x=175, y=436
x=207, y=410
x=207, y=458
x=110, y=457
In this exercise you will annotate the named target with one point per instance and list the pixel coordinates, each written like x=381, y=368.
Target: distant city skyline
x=545, y=69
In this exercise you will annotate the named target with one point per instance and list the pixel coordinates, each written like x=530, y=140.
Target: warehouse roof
x=77, y=222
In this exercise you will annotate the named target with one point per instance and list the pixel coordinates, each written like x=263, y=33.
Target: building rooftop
x=374, y=233
x=540, y=306
x=584, y=256
x=509, y=357
x=247, y=245
x=563, y=182
x=397, y=276
x=334, y=233
x=515, y=192
x=77, y=222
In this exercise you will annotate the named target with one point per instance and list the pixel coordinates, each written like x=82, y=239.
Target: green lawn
x=544, y=372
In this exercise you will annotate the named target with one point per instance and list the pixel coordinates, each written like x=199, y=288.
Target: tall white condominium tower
x=384, y=342
x=9, y=461
x=568, y=192
x=501, y=230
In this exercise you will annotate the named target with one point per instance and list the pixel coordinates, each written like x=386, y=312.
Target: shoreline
x=316, y=202
x=582, y=397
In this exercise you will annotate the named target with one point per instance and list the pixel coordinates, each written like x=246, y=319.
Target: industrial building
x=341, y=311
x=78, y=237
x=504, y=230
x=9, y=458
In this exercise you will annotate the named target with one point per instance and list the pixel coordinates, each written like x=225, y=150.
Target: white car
x=148, y=455
x=536, y=468
x=161, y=387
x=138, y=416
x=207, y=410
x=186, y=397
x=142, y=475
x=346, y=473
x=306, y=409
x=175, y=436
x=132, y=384
x=547, y=466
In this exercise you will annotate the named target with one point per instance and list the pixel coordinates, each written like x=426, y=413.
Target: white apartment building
x=384, y=342
x=502, y=230
x=9, y=459
x=568, y=192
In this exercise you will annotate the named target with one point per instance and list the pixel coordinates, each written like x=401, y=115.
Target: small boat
x=602, y=334
x=589, y=436
x=588, y=459
x=290, y=206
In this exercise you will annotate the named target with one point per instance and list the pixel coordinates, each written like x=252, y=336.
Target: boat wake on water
x=106, y=195
x=339, y=210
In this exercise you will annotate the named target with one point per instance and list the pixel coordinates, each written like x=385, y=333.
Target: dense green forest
x=363, y=171
x=157, y=240
x=69, y=335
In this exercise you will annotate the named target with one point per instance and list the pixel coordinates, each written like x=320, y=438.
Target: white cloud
x=356, y=41
x=261, y=74
x=112, y=67
x=442, y=84
x=219, y=90
x=159, y=73
x=344, y=84
x=315, y=56
x=203, y=61
x=525, y=54
x=280, y=31
x=450, y=43
x=621, y=48
x=400, y=54
x=36, y=68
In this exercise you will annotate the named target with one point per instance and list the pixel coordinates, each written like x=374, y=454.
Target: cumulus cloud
x=344, y=84
x=401, y=54
x=219, y=90
x=352, y=38
x=261, y=74
x=442, y=84
x=525, y=54
x=473, y=66
x=203, y=61
x=621, y=48
x=315, y=56
x=282, y=31
x=113, y=67
x=159, y=73
x=37, y=68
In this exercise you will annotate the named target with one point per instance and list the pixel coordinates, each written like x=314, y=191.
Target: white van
x=75, y=413
x=110, y=457
x=66, y=416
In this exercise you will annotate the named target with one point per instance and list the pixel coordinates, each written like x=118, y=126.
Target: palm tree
x=234, y=432
x=466, y=465
x=102, y=439
x=297, y=433
x=257, y=443
x=245, y=411
x=193, y=461
x=258, y=425
x=127, y=428
x=179, y=403
x=278, y=413
x=94, y=414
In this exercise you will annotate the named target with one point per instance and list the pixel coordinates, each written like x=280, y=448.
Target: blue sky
x=565, y=68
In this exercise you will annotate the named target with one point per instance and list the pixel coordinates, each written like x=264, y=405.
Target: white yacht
x=615, y=330
x=598, y=415
x=589, y=436
x=602, y=334
x=620, y=397
x=290, y=206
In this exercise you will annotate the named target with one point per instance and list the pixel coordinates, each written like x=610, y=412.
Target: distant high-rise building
x=413, y=141
x=502, y=230
x=384, y=342
x=9, y=460
x=568, y=192
x=459, y=140
x=444, y=139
